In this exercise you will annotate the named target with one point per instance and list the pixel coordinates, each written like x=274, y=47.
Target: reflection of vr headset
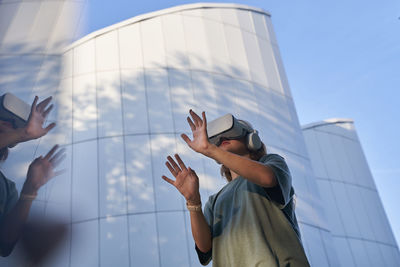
x=14, y=110
x=229, y=127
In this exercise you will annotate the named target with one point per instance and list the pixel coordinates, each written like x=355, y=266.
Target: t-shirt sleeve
x=282, y=193
x=206, y=257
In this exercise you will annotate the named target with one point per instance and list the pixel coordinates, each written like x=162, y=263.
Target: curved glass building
x=123, y=98
x=127, y=90
x=361, y=232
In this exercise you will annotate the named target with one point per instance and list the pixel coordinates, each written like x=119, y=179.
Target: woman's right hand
x=186, y=180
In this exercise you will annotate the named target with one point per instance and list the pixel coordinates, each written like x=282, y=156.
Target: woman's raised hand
x=34, y=128
x=198, y=125
x=186, y=180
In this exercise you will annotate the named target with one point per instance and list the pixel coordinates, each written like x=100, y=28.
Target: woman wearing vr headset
x=251, y=220
x=14, y=211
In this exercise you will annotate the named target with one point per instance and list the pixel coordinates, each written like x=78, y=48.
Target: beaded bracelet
x=193, y=207
x=27, y=197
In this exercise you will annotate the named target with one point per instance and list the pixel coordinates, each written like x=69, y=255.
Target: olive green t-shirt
x=252, y=225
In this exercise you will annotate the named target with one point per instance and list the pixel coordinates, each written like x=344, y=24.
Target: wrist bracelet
x=27, y=197
x=193, y=207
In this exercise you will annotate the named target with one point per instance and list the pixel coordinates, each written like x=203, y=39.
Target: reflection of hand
x=41, y=170
x=186, y=180
x=34, y=129
x=200, y=141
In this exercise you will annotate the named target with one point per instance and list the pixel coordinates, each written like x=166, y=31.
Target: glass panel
x=84, y=181
x=196, y=42
x=194, y=261
x=328, y=156
x=85, y=244
x=316, y=250
x=343, y=249
x=130, y=46
x=153, y=43
x=268, y=117
x=84, y=108
x=172, y=239
x=229, y=16
x=359, y=252
x=217, y=47
x=109, y=104
x=159, y=105
x=134, y=102
x=143, y=240
x=167, y=197
x=139, y=174
x=58, y=193
x=66, y=66
x=112, y=181
x=84, y=58
x=270, y=67
x=245, y=21
x=17, y=30
x=67, y=22
x=42, y=26
x=237, y=53
x=114, y=248
x=182, y=98
x=374, y=253
x=254, y=58
x=175, y=44
x=204, y=94
x=260, y=25
x=331, y=211
x=345, y=209
x=107, y=51
x=315, y=153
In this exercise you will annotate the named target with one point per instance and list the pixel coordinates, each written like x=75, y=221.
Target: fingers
x=186, y=139
x=174, y=165
x=203, y=114
x=191, y=124
x=180, y=162
x=171, y=169
x=50, y=126
x=33, y=107
x=42, y=105
x=47, y=111
x=168, y=180
x=197, y=120
x=58, y=157
x=51, y=152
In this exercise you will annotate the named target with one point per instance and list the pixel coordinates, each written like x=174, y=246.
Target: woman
x=251, y=220
x=14, y=210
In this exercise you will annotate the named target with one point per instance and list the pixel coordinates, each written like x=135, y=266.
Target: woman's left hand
x=198, y=125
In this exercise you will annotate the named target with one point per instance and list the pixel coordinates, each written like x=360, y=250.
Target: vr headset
x=228, y=127
x=14, y=110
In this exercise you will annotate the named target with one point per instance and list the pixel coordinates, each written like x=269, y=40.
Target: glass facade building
x=123, y=96
x=360, y=230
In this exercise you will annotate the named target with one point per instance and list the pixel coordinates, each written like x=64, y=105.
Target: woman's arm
x=40, y=171
x=187, y=183
x=33, y=129
x=252, y=170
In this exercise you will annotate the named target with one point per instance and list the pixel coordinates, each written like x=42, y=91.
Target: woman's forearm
x=12, y=225
x=250, y=169
x=200, y=231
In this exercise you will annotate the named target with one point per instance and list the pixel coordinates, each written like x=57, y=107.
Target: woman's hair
x=254, y=155
x=3, y=153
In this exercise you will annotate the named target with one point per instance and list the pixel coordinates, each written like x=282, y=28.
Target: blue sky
x=342, y=60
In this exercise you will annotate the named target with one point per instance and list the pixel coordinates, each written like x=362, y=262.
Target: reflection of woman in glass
x=251, y=220
x=13, y=210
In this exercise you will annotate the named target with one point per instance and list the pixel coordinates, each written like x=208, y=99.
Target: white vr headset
x=229, y=127
x=14, y=110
